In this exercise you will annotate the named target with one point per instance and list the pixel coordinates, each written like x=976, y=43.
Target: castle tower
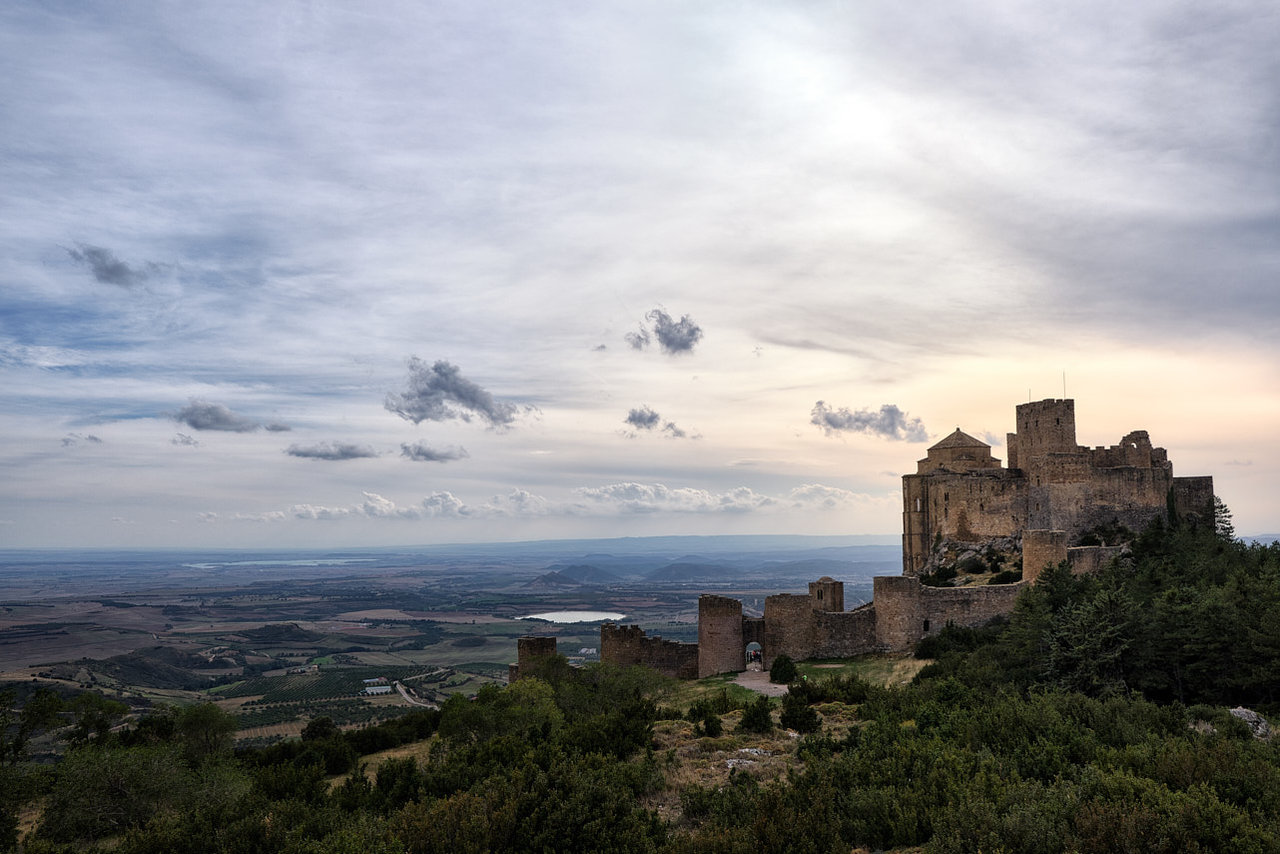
x=826, y=594
x=1044, y=427
x=720, y=646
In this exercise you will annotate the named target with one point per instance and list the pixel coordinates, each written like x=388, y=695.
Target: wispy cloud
x=889, y=423
x=331, y=451
x=422, y=453
x=203, y=415
x=440, y=392
x=108, y=269
x=615, y=499
x=184, y=439
x=76, y=438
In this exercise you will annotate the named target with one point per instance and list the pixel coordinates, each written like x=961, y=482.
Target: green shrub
x=756, y=716
x=783, y=671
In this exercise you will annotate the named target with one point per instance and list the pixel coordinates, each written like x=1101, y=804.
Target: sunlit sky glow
x=344, y=274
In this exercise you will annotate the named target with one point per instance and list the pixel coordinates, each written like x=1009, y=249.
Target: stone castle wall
x=528, y=648
x=788, y=627
x=907, y=611
x=1052, y=492
x=842, y=633
x=720, y=642
x=629, y=645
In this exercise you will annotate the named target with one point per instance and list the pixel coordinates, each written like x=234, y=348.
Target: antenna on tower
x=1064, y=385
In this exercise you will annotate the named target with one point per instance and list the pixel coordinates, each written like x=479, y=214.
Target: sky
x=354, y=274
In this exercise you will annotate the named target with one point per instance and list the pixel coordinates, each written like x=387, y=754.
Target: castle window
x=917, y=505
x=926, y=625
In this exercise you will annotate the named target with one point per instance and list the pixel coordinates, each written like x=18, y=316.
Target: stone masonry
x=1051, y=496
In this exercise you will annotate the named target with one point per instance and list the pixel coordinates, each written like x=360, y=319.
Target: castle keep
x=961, y=494
x=1056, y=501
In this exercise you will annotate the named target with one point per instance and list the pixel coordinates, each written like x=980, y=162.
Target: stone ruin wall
x=1086, y=560
x=1193, y=498
x=788, y=627
x=626, y=646
x=907, y=611
x=528, y=648
x=720, y=642
x=841, y=633
x=1041, y=549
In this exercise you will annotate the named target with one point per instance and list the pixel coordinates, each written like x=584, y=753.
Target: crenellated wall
x=1052, y=492
x=629, y=645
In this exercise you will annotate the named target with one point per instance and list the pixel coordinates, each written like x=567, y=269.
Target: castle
x=1056, y=501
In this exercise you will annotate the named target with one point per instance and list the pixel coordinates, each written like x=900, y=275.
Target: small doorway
x=755, y=656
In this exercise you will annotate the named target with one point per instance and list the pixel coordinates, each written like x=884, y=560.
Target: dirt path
x=758, y=681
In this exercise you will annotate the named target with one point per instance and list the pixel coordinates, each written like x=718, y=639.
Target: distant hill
x=575, y=575
x=553, y=580
x=686, y=571
x=587, y=574
x=155, y=667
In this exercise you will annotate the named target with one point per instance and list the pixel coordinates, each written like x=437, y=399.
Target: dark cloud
x=109, y=269
x=75, y=438
x=637, y=340
x=673, y=431
x=643, y=418
x=184, y=439
x=600, y=348
x=331, y=451
x=203, y=415
x=890, y=422
x=276, y=427
x=675, y=336
x=420, y=453
x=440, y=392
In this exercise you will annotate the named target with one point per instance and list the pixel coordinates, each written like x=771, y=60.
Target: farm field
x=278, y=639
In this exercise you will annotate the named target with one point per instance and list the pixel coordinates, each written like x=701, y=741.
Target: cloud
x=674, y=336
x=375, y=506
x=276, y=427
x=643, y=418
x=421, y=453
x=615, y=499
x=75, y=438
x=440, y=393
x=203, y=415
x=331, y=451
x=109, y=269
x=890, y=422
x=184, y=439
x=521, y=502
x=630, y=497
x=444, y=504
x=637, y=340
x=818, y=496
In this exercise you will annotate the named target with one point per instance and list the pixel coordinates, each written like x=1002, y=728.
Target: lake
x=575, y=616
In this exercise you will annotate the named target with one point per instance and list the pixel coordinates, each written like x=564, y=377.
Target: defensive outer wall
x=1051, y=497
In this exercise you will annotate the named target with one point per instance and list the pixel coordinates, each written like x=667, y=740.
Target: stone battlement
x=1052, y=493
